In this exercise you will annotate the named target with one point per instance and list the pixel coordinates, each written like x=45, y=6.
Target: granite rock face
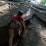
x=5, y=16
x=6, y=12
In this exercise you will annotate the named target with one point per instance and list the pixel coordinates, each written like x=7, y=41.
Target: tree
x=43, y=2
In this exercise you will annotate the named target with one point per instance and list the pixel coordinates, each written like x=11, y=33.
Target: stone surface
x=35, y=34
x=32, y=35
x=40, y=11
x=5, y=16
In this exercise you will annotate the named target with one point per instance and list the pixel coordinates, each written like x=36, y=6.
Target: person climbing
x=17, y=20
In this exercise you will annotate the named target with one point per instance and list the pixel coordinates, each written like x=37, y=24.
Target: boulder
x=6, y=13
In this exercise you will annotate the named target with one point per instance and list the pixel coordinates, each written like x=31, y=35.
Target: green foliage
x=43, y=2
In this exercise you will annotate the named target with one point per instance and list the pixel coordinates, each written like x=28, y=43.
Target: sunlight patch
x=43, y=33
x=38, y=1
x=27, y=13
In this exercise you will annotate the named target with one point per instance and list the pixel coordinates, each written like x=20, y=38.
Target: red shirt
x=16, y=18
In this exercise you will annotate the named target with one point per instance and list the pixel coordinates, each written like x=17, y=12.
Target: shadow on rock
x=35, y=38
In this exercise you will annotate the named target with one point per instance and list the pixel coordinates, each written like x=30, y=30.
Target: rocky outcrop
x=5, y=16
x=40, y=12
